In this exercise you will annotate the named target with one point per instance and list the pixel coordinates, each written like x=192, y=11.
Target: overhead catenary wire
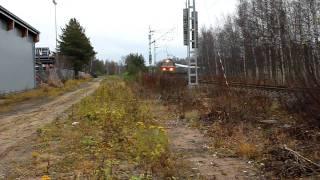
x=154, y=42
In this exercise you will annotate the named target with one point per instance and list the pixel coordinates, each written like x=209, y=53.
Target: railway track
x=264, y=87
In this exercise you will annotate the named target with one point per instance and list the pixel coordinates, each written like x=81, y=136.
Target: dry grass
x=235, y=124
x=44, y=91
x=116, y=138
x=247, y=150
x=239, y=140
x=234, y=120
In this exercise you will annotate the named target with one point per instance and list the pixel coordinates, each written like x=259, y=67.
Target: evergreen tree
x=134, y=63
x=76, y=45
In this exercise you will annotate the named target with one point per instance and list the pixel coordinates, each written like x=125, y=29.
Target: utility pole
x=55, y=20
x=154, y=53
x=150, y=43
x=154, y=42
x=57, y=63
x=190, y=33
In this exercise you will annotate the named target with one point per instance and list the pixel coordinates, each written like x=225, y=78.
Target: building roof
x=17, y=20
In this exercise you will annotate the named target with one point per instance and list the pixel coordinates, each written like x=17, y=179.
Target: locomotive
x=168, y=65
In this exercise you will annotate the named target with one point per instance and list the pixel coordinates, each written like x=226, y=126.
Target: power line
x=154, y=43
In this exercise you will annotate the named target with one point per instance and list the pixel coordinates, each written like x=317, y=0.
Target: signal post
x=191, y=38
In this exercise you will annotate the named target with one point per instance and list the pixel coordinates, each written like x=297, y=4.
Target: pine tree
x=75, y=44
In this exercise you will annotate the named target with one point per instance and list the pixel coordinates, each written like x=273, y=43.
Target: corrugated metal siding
x=16, y=61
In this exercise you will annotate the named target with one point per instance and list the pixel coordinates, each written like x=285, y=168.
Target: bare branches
x=273, y=42
x=300, y=158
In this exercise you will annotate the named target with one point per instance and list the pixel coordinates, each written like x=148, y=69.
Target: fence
x=53, y=75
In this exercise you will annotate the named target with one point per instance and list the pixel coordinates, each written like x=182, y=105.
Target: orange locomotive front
x=168, y=66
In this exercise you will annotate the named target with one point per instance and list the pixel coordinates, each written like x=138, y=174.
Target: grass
x=42, y=92
x=129, y=77
x=235, y=123
x=247, y=150
x=115, y=137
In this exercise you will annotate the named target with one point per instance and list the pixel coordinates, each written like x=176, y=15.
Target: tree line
x=274, y=41
x=76, y=48
x=107, y=67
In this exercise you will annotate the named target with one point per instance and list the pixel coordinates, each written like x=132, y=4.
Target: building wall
x=16, y=60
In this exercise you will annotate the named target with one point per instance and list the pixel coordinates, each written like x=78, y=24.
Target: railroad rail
x=264, y=87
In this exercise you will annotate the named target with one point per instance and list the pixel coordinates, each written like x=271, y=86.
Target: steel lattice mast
x=190, y=23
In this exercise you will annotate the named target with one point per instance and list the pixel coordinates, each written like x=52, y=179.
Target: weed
x=115, y=128
x=150, y=144
x=141, y=177
x=45, y=178
x=41, y=92
x=88, y=141
x=35, y=156
x=247, y=150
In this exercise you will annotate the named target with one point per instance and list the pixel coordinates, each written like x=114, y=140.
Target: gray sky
x=119, y=27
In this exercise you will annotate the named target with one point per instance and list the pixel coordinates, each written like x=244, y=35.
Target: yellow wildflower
x=45, y=178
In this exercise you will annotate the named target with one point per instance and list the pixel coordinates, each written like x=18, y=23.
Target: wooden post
x=24, y=32
x=36, y=38
x=10, y=25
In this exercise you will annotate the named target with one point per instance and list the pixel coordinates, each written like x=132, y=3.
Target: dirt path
x=195, y=160
x=191, y=145
x=16, y=129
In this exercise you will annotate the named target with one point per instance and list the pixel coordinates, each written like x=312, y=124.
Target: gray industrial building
x=17, y=53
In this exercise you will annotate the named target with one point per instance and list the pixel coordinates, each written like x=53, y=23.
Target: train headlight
x=164, y=69
x=171, y=69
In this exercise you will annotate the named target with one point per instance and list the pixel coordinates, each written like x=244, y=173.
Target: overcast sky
x=119, y=27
